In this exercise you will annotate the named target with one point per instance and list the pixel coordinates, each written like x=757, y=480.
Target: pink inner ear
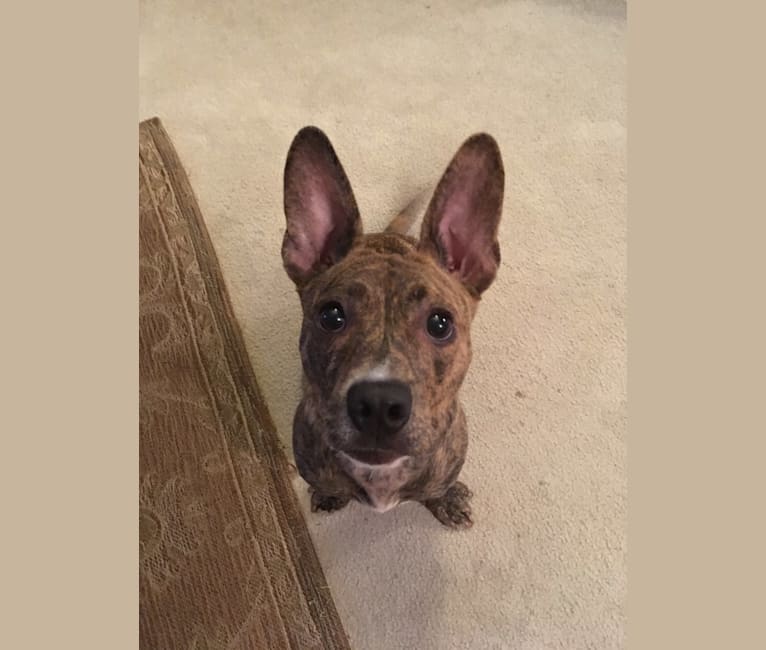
x=462, y=230
x=312, y=234
x=320, y=226
x=455, y=227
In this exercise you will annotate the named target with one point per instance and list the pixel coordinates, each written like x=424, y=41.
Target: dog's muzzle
x=379, y=409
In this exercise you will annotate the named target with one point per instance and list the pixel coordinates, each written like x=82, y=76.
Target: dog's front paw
x=453, y=509
x=327, y=503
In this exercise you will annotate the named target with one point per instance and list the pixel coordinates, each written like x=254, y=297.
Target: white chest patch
x=381, y=482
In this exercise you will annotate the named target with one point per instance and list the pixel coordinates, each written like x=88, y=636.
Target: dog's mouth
x=374, y=456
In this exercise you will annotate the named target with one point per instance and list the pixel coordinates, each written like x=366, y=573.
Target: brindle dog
x=385, y=340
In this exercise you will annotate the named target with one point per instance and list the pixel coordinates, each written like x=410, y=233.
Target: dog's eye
x=331, y=317
x=439, y=325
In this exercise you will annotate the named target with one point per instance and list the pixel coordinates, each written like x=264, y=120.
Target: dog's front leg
x=452, y=509
x=451, y=506
x=330, y=488
x=327, y=502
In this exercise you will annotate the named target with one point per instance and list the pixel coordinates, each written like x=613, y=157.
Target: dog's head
x=385, y=340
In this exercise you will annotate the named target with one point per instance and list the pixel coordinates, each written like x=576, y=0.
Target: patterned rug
x=226, y=560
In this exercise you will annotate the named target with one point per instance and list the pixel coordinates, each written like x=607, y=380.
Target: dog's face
x=385, y=340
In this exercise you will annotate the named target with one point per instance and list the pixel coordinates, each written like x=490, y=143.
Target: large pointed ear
x=461, y=223
x=322, y=216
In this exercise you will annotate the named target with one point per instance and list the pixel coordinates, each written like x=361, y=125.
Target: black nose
x=379, y=408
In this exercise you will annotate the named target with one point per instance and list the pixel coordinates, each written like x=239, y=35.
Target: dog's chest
x=382, y=483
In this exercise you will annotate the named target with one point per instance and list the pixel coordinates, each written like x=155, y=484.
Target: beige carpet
x=397, y=86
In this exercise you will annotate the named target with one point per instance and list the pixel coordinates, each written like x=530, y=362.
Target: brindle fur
x=387, y=283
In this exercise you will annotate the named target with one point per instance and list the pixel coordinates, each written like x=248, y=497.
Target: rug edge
x=320, y=602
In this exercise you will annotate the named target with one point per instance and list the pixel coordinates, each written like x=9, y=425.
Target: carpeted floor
x=397, y=86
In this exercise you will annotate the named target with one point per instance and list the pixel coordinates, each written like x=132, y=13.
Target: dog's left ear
x=321, y=212
x=461, y=223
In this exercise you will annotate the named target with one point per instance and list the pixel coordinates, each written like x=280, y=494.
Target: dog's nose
x=379, y=407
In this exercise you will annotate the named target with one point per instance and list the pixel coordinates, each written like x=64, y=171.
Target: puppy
x=385, y=339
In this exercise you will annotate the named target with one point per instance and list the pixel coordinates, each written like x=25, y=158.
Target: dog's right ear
x=461, y=223
x=322, y=216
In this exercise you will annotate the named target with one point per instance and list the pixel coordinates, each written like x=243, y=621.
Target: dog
x=385, y=337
